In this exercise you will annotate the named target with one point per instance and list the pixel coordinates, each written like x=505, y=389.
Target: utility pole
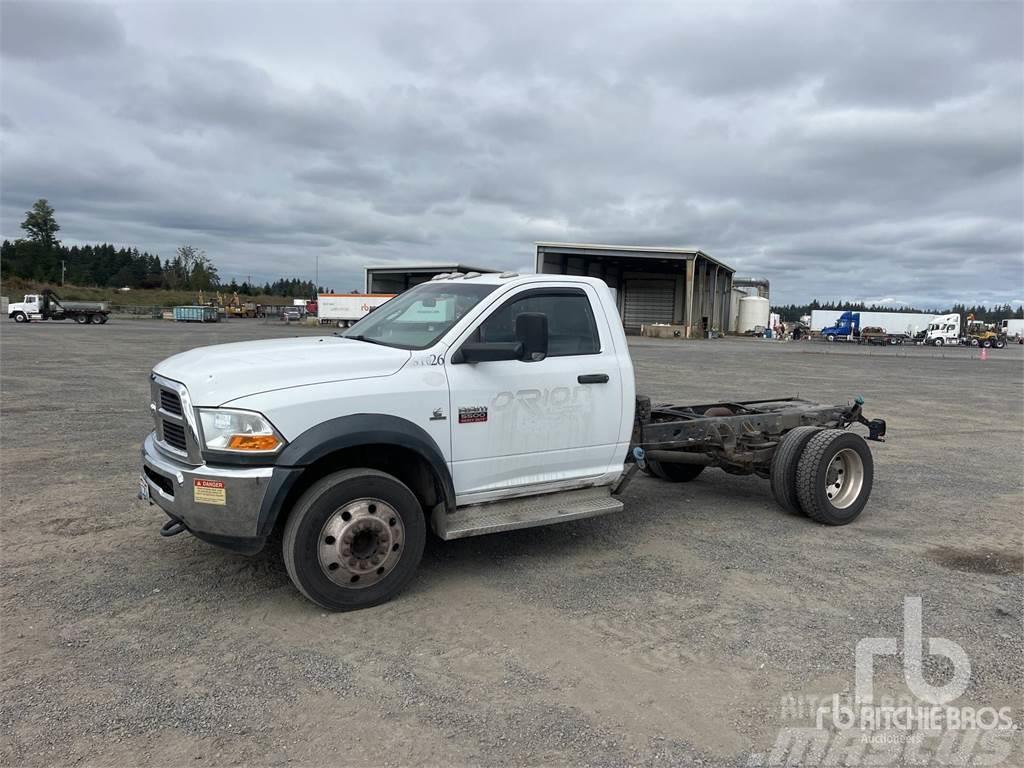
x=63, y=271
x=316, y=275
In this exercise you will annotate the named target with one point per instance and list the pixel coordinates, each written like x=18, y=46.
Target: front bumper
x=220, y=505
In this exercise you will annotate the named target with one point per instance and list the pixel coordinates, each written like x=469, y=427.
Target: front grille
x=170, y=402
x=161, y=482
x=174, y=435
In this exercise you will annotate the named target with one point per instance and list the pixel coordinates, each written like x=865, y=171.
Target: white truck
x=47, y=305
x=943, y=330
x=469, y=404
x=1012, y=328
x=344, y=309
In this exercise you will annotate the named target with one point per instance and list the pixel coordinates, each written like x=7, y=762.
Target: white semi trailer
x=893, y=322
x=343, y=309
x=1012, y=328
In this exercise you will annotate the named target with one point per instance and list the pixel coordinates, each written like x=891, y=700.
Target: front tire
x=20, y=317
x=939, y=342
x=830, y=337
x=834, y=477
x=782, y=475
x=354, y=539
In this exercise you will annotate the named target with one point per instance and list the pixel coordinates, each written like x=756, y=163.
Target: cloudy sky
x=843, y=150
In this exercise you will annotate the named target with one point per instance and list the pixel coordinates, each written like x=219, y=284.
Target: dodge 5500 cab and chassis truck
x=472, y=404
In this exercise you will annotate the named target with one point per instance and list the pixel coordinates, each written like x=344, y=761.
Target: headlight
x=238, y=431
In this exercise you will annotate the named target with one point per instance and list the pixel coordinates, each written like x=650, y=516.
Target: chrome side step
x=496, y=516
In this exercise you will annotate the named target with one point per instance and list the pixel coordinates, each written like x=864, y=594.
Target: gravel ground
x=674, y=633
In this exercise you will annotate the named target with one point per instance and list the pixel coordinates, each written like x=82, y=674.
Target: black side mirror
x=488, y=351
x=532, y=333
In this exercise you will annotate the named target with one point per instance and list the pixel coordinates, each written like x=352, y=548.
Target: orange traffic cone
x=984, y=354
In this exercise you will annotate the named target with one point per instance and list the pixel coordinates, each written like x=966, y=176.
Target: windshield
x=419, y=317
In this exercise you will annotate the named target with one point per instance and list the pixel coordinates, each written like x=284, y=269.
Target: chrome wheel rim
x=844, y=478
x=361, y=543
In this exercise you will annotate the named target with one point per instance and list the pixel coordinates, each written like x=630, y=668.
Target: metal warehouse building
x=679, y=286
x=391, y=278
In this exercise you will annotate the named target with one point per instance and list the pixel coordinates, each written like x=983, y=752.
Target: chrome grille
x=170, y=402
x=177, y=433
x=174, y=435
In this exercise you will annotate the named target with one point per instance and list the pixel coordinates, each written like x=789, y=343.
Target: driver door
x=534, y=424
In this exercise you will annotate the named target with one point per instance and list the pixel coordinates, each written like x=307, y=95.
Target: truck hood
x=224, y=372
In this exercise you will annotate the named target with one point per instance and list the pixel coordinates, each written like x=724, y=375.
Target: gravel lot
x=671, y=634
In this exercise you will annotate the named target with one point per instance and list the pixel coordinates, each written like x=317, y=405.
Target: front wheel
x=939, y=342
x=834, y=477
x=20, y=317
x=830, y=337
x=354, y=539
x=1000, y=344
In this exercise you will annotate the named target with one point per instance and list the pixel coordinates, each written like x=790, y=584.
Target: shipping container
x=893, y=322
x=196, y=314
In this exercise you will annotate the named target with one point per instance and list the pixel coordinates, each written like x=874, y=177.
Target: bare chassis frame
x=738, y=437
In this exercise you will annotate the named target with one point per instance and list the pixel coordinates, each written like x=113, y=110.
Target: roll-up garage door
x=648, y=301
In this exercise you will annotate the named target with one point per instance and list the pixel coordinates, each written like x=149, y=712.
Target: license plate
x=143, y=489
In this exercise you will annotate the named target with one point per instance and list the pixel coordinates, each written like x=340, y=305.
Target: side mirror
x=485, y=352
x=532, y=333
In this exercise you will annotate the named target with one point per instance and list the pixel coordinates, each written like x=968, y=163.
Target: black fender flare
x=348, y=432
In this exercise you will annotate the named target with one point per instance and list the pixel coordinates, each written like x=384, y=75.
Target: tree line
x=793, y=312
x=41, y=257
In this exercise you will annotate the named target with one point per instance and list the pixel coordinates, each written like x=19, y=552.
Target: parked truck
x=1012, y=328
x=908, y=323
x=950, y=329
x=467, y=405
x=344, y=309
x=846, y=328
x=47, y=305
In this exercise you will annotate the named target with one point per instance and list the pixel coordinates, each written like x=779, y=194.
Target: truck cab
x=846, y=328
x=942, y=330
x=26, y=309
x=457, y=396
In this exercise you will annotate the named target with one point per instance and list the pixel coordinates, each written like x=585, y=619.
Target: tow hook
x=172, y=528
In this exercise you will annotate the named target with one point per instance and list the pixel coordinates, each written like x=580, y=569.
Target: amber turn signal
x=253, y=442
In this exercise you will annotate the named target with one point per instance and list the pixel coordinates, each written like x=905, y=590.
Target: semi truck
x=1012, y=328
x=908, y=323
x=47, y=305
x=344, y=309
x=950, y=329
x=846, y=328
x=467, y=405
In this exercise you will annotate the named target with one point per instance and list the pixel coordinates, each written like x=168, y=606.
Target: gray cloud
x=842, y=150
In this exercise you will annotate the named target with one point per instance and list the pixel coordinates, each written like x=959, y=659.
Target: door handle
x=592, y=378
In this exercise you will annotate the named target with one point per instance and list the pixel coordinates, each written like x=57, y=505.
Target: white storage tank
x=754, y=311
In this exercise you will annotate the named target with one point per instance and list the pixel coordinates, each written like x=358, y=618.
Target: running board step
x=496, y=516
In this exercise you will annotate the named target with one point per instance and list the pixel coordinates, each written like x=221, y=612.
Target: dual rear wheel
x=825, y=474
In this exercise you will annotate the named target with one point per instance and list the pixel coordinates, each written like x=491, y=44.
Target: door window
x=571, y=326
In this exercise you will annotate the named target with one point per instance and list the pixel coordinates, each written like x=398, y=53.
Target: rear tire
x=101, y=319
x=354, y=539
x=675, y=473
x=1000, y=344
x=80, y=319
x=784, y=465
x=834, y=477
x=986, y=343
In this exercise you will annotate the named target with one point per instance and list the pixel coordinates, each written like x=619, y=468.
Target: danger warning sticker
x=209, y=492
